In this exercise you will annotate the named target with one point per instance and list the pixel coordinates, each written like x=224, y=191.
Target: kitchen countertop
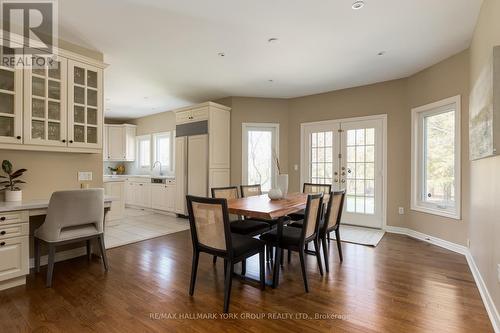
x=37, y=204
x=122, y=178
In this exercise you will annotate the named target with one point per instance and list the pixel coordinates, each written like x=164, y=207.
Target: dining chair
x=330, y=223
x=250, y=190
x=72, y=216
x=238, y=225
x=211, y=233
x=311, y=188
x=295, y=239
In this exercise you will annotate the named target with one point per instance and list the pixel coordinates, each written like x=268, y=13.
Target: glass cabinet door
x=85, y=106
x=45, y=105
x=11, y=89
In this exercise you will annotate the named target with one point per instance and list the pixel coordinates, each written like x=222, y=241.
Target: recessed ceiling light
x=270, y=81
x=381, y=53
x=272, y=40
x=358, y=4
x=221, y=54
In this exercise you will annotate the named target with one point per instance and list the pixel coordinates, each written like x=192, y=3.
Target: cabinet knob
x=18, y=137
x=70, y=141
x=2, y=218
x=3, y=232
x=2, y=243
x=63, y=140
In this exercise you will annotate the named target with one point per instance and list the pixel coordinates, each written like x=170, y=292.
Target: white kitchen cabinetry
x=11, y=106
x=202, y=151
x=119, y=142
x=115, y=189
x=138, y=192
x=14, y=248
x=163, y=197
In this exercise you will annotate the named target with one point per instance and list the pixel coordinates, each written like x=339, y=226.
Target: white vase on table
x=275, y=194
x=282, y=183
x=13, y=196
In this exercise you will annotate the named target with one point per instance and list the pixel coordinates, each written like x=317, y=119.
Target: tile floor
x=139, y=225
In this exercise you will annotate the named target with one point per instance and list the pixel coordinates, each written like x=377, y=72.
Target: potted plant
x=113, y=170
x=10, y=186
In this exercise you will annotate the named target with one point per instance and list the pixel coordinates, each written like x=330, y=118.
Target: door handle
x=336, y=180
x=343, y=181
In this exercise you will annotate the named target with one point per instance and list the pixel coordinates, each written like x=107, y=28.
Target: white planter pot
x=282, y=183
x=11, y=196
x=275, y=194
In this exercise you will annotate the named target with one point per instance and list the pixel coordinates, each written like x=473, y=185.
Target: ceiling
x=164, y=54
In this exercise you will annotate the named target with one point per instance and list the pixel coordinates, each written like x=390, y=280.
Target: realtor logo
x=29, y=28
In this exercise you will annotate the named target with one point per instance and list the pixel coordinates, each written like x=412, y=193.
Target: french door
x=349, y=155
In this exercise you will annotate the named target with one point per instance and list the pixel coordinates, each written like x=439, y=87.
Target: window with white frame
x=436, y=158
x=259, y=152
x=163, y=151
x=144, y=152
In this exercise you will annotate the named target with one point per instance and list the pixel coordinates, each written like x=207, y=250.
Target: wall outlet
x=84, y=176
x=401, y=210
x=498, y=273
x=468, y=243
x=296, y=167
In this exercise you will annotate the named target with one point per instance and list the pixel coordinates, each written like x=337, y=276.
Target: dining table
x=262, y=207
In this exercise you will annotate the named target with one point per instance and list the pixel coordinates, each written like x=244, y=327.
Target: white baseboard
x=483, y=290
x=61, y=256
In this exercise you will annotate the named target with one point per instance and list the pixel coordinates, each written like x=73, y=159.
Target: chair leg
x=289, y=256
x=339, y=244
x=50, y=265
x=225, y=268
x=243, y=267
x=325, y=253
x=227, y=285
x=262, y=270
x=282, y=256
x=194, y=270
x=37, y=254
x=103, y=251
x=214, y=260
x=89, y=249
x=318, y=256
x=303, y=266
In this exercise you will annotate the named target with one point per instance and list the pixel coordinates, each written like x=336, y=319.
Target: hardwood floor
x=403, y=285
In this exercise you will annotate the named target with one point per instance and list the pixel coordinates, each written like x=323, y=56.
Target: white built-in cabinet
x=163, y=197
x=141, y=193
x=56, y=109
x=117, y=191
x=119, y=142
x=202, y=151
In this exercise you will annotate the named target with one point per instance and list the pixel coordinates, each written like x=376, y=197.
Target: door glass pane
x=37, y=129
x=54, y=110
x=351, y=204
x=92, y=79
x=79, y=95
x=54, y=90
x=321, y=168
x=38, y=87
x=7, y=81
x=79, y=75
x=6, y=126
x=79, y=114
x=92, y=134
x=91, y=116
x=91, y=97
x=79, y=132
x=361, y=170
x=439, y=159
x=260, y=158
x=39, y=70
x=6, y=103
x=37, y=108
x=54, y=131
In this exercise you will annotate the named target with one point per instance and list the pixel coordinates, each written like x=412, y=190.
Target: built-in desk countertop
x=38, y=207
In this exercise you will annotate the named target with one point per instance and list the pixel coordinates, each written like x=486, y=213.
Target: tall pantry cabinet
x=202, y=151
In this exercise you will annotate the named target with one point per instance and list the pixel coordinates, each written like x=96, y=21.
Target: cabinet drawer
x=13, y=217
x=14, y=257
x=14, y=230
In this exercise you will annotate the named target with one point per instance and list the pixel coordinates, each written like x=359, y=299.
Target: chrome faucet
x=154, y=164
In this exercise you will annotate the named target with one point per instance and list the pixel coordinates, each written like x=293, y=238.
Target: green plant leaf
x=17, y=173
x=7, y=166
x=18, y=182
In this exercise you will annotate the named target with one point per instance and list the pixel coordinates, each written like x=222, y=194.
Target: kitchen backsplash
x=130, y=169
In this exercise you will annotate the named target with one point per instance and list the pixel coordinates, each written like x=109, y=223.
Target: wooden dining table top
x=260, y=206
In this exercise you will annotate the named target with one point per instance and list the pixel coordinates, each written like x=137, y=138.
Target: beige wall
x=50, y=171
x=382, y=98
x=484, y=231
x=160, y=122
x=446, y=79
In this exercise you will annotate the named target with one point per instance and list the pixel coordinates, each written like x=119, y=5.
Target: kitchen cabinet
x=138, y=193
x=163, y=197
x=117, y=190
x=141, y=193
x=11, y=106
x=119, y=142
